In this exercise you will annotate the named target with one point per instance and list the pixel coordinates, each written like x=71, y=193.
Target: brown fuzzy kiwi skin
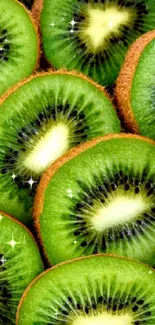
x=23, y=226
x=51, y=72
x=52, y=169
x=37, y=34
x=125, y=78
x=36, y=11
x=44, y=64
x=69, y=262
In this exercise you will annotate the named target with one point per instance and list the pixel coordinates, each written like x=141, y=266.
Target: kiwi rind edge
x=125, y=78
x=38, y=41
x=52, y=169
x=23, y=226
x=37, y=34
x=68, y=262
x=49, y=72
x=36, y=10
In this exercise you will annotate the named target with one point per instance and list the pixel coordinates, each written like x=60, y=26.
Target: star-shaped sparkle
x=73, y=22
x=52, y=24
x=12, y=243
x=31, y=182
x=13, y=176
x=75, y=241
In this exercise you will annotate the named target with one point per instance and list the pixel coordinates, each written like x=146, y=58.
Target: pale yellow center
x=48, y=148
x=104, y=319
x=104, y=22
x=118, y=210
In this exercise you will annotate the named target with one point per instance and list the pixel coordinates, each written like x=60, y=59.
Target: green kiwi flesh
x=142, y=94
x=18, y=44
x=39, y=122
x=102, y=200
x=93, y=36
x=20, y=263
x=95, y=290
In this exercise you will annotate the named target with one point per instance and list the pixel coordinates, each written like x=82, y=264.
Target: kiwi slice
x=135, y=89
x=95, y=290
x=20, y=263
x=99, y=198
x=93, y=36
x=18, y=44
x=40, y=121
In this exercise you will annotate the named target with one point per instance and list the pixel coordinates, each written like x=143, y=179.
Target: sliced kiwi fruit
x=18, y=44
x=99, y=198
x=93, y=290
x=41, y=120
x=135, y=88
x=93, y=36
x=20, y=263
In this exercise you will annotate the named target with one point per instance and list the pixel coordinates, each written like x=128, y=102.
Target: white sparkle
x=70, y=193
x=75, y=241
x=31, y=182
x=1, y=217
x=6, y=40
x=2, y=260
x=73, y=22
x=52, y=24
x=1, y=48
x=12, y=243
x=72, y=31
x=13, y=176
x=150, y=272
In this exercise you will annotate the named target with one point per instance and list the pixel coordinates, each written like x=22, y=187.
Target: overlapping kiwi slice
x=92, y=36
x=99, y=198
x=40, y=121
x=92, y=290
x=135, y=89
x=18, y=44
x=20, y=263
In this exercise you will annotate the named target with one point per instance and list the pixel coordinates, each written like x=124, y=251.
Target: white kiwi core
x=101, y=23
x=104, y=319
x=50, y=146
x=118, y=210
